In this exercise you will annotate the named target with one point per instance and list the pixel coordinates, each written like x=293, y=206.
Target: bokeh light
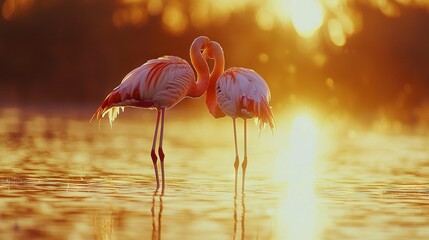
x=336, y=55
x=348, y=82
x=12, y=8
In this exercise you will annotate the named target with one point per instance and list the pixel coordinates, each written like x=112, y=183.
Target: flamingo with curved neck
x=159, y=84
x=238, y=93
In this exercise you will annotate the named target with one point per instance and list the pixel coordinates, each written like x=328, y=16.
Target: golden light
x=336, y=32
x=265, y=19
x=337, y=17
x=174, y=19
x=131, y=1
x=307, y=16
x=133, y=15
x=387, y=8
x=154, y=7
x=330, y=83
x=8, y=9
x=319, y=59
x=298, y=212
x=295, y=162
x=302, y=146
x=301, y=213
x=200, y=14
x=263, y=57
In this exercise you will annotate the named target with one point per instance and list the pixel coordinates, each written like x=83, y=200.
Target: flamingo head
x=214, y=49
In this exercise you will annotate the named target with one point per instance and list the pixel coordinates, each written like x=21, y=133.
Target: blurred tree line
x=71, y=52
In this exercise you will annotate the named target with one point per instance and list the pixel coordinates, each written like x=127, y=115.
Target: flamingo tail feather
x=108, y=108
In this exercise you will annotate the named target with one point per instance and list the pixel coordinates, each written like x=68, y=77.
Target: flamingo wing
x=241, y=92
x=159, y=83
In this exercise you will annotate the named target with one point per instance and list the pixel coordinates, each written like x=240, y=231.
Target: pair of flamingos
x=161, y=83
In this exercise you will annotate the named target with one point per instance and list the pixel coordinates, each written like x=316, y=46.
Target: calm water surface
x=62, y=178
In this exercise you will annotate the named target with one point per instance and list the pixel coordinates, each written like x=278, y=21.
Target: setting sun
x=307, y=16
x=339, y=148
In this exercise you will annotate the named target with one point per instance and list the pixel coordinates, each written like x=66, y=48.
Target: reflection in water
x=61, y=178
x=243, y=217
x=298, y=209
x=301, y=212
x=104, y=224
x=156, y=230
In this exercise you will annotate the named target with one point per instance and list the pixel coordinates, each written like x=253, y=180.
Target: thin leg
x=237, y=162
x=152, y=153
x=160, y=152
x=244, y=164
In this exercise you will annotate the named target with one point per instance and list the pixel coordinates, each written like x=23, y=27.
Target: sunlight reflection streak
x=298, y=209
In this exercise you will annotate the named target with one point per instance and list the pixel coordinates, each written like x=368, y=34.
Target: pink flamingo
x=238, y=93
x=159, y=84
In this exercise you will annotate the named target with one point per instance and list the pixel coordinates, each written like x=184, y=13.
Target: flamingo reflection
x=156, y=225
x=243, y=217
x=104, y=225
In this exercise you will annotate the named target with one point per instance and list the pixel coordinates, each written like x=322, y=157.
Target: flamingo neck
x=215, y=51
x=201, y=67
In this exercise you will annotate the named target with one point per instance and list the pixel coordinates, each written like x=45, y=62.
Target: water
x=62, y=178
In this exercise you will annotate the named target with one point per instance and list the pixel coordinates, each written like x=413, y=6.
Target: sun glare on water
x=297, y=156
x=297, y=215
x=303, y=141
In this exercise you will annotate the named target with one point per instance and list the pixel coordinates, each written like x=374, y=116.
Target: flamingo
x=238, y=93
x=159, y=84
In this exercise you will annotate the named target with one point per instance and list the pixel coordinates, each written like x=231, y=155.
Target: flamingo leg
x=152, y=153
x=237, y=162
x=244, y=164
x=160, y=152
